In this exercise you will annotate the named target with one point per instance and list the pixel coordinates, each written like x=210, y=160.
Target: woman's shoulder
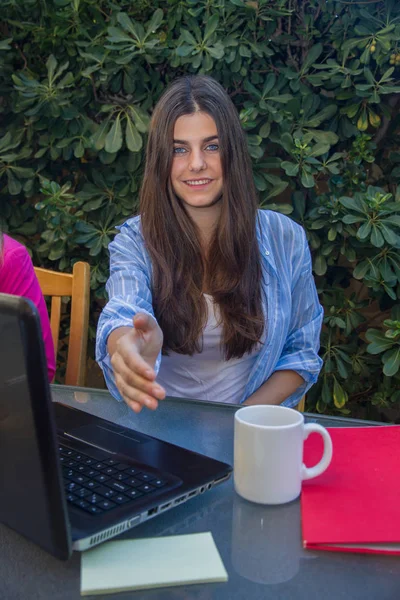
x=13, y=250
x=132, y=224
x=130, y=228
x=129, y=240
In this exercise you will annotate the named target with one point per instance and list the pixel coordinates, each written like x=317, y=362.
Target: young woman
x=223, y=291
x=17, y=277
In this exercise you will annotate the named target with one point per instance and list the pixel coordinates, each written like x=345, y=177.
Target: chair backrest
x=77, y=287
x=301, y=404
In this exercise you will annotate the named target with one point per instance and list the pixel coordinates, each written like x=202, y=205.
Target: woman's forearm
x=276, y=389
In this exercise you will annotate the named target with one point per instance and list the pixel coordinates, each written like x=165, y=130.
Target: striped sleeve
x=129, y=292
x=300, y=352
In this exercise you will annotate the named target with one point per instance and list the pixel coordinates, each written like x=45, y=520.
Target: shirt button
x=267, y=252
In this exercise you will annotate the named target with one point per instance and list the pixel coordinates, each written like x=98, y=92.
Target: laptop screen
x=31, y=499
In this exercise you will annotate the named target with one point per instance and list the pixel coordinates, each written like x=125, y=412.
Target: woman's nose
x=197, y=161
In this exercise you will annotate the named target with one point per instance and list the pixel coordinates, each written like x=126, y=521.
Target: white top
x=207, y=375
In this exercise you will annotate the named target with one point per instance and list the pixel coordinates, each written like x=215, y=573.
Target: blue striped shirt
x=293, y=312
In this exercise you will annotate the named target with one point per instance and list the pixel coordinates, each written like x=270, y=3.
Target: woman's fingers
x=134, y=380
x=133, y=396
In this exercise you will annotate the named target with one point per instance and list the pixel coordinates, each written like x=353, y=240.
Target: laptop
x=70, y=480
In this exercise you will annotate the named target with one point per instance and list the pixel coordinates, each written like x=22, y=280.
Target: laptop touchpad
x=108, y=436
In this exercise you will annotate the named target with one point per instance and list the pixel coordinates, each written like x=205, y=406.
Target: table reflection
x=266, y=541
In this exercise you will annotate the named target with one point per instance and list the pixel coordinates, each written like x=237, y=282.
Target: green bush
x=317, y=87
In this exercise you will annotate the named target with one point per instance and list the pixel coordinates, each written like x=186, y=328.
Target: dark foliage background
x=316, y=83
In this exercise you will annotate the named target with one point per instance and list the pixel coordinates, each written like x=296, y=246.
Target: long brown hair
x=231, y=273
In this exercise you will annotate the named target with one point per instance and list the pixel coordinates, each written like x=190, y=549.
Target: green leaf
x=332, y=234
x=92, y=205
x=155, y=21
x=14, y=185
x=311, y=57
x=286, y=142
x=376, y=237
x=99, y=137
x=79, y=149
x=51, y=65
x=319, y=149
x=387, y=75
x=307, y=179
x=342, y=370
x=291, y=169
x=113, y=141
x=364, y=231
x=5, y=44
x=389, y=235
x=265, y=130
x=40, y=152
x=340, y=323
x=133, y=138
x=350, y=110
x=326, y=113
x=326, y=137
x=141, y=119
x=276, y=190
x=390, y=89
x=249, y=87
x=57, y=250
x=260, y=182
x=350, y=219
x=352, y=204
x=378, y=342
x=184, y=50
x=126, y=23
x=211, y=26
x=96, y=246
x=117, y=36
x=281, y=99
x=216, y=51
x=391, y=361
x=361, y=269
x=244, y=51
x=320, y=265
x=188, y=37
x=340, y=396
x=23, y=172
x=269, y=83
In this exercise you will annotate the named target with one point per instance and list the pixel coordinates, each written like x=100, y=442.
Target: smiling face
x=196, y=173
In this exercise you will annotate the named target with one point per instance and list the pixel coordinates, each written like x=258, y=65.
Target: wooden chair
x=302, y=404
x=77, y=286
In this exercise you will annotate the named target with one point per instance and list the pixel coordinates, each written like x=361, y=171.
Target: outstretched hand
x=133, y=361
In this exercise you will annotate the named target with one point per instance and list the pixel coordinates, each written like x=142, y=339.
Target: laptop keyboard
x=99, y=486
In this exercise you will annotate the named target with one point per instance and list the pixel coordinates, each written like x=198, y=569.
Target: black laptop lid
x=31, y=495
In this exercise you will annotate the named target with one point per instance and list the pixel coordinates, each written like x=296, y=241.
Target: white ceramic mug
x=268, y=453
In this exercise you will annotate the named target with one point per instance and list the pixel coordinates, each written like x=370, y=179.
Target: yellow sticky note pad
x=151, y=563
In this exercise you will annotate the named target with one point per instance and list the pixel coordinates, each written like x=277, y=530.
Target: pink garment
x=17, y=277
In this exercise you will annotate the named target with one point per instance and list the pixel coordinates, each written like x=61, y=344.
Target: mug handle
x=309, y=473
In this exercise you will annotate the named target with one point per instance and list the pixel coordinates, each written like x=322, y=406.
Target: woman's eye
x=213, y=147
x=179, y=150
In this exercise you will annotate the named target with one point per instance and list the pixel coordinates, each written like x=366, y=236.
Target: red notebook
x=355, y=505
